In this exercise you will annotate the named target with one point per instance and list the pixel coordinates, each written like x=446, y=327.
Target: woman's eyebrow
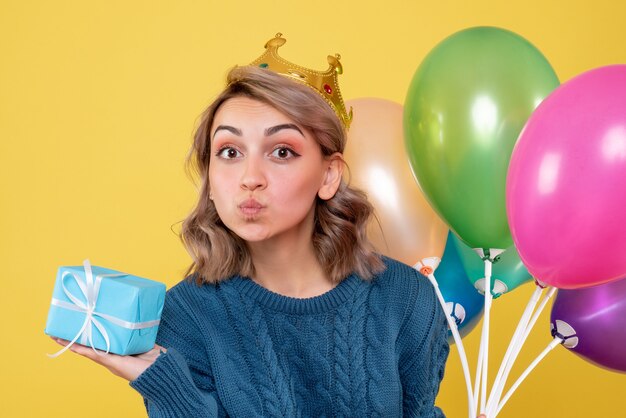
x=274, y=129
x=230, y=129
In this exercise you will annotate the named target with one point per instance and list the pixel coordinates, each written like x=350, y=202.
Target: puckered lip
x=250, y=204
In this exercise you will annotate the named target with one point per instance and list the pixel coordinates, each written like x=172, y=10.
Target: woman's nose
x=253, y=177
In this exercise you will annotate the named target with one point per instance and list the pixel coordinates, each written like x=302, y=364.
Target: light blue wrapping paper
x=128, y=299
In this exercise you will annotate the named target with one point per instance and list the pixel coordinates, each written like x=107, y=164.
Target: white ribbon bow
x=90, y=289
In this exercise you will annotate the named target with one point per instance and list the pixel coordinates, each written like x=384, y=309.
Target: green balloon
x=466, y=106
x=507, y=272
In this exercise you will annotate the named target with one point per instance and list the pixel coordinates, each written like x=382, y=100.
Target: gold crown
x=323, y=82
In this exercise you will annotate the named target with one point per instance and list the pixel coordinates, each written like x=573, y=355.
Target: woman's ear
x=332, y=176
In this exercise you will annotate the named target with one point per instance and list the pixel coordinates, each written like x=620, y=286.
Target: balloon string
x=556, y=341
x=459, y=346
x=500, y=380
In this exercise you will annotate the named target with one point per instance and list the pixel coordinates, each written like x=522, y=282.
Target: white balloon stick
x=500, y=380
x=544, y=301
x=521, y=342
x=556, y=341
x=432, y=263
x=485, y=336
x=522, y=339
x=479, y=368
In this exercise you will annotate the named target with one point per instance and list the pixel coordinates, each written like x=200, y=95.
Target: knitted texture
x=365, y=348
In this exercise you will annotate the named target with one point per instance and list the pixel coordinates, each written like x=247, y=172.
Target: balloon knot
x=426, y=270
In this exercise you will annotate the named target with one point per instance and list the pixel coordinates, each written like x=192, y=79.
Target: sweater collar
x=316, y=304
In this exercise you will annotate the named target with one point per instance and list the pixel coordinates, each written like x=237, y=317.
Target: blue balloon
x=507, y=273
x=463, y=301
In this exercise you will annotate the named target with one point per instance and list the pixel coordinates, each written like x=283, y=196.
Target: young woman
x=287, y=311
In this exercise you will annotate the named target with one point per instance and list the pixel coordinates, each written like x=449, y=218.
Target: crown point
x=276, y=42
x=324, y=82
x=335, y=63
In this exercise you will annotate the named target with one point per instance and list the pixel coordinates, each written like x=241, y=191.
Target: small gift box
x=105, y=309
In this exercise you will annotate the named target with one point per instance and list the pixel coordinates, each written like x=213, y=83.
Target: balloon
x=464, y=110
x=409, y=229
x=463, y=302
x=566, y=186
x=507, y=273
x=593, y=322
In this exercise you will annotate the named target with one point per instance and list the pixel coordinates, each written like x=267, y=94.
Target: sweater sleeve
x=423, y=352
x=179, y=383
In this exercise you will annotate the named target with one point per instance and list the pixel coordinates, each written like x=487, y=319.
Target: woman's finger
x=127, y=367
x=102, y=358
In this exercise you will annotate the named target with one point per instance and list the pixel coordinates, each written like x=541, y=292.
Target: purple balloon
x=593, y=322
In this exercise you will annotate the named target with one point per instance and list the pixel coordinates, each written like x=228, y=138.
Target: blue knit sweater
x=365, y=348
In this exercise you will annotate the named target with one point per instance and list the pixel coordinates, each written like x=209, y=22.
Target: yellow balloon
x=409, y=229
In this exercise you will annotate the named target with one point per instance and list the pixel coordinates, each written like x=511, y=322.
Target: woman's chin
x=252, y=234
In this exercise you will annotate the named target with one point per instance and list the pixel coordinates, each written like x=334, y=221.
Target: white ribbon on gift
x=90, y=288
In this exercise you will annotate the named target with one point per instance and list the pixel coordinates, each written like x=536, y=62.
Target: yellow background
x=98, y=101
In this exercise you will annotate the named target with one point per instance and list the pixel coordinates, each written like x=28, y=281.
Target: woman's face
x=266, y=171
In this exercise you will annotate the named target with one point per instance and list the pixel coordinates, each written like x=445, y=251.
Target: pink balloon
x=566, y=184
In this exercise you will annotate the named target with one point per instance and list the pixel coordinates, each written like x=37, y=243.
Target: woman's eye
x=228, y=153
x=284, y=153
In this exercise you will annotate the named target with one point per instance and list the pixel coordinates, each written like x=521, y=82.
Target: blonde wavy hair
x=339, y=236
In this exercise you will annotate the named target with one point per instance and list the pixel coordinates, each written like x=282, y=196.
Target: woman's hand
x=127, y=367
